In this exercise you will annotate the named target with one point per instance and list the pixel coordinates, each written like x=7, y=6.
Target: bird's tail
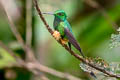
x=81, y=52
x=73, y=41
x=76, y=45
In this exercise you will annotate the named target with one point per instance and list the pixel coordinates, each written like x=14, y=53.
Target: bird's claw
x=63, y=41
x=56, y=35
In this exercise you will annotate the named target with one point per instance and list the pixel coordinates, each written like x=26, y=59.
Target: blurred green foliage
x=90, y=27
x=5, y=59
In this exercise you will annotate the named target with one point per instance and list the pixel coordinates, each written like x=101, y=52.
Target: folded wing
x=72, y=40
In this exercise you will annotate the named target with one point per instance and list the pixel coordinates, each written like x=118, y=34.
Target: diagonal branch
x=17, y=35
x=18, y=59
x=45, y=69
x=66, y=47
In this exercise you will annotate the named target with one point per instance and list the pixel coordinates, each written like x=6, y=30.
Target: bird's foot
x=56, y=35
x=64, y=41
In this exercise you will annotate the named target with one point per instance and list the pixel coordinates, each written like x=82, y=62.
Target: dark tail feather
x=81, y=52
x=76, y=45
x=73, y=41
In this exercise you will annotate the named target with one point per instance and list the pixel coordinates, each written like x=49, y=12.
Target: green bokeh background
x=90, y=27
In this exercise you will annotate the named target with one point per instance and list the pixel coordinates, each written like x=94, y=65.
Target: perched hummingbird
x=62, y=27
x=64, y=31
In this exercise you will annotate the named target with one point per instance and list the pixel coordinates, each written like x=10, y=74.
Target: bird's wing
x=72, y=40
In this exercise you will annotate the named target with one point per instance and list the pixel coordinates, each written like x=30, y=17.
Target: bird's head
x=60, y=14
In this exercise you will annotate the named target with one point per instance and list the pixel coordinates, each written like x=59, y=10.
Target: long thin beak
x=49, y=13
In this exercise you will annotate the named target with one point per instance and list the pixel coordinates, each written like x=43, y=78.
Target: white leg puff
x=56, y=35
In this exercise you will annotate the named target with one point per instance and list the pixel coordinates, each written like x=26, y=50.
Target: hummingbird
x=63, y=30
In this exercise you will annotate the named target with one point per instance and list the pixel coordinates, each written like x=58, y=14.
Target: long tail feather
x=72, y=40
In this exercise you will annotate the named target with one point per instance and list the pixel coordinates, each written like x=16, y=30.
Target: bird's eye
x=60, y=14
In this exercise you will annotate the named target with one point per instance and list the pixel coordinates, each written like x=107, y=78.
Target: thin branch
x=42, y=18
x=17, y=35
x=28, y=22
x=12, y=26
x=40, y=77
x=28, y=27
x=43, y=77
x=36, y=66
x=45, y=69
x=18, y=59
x=66, y=47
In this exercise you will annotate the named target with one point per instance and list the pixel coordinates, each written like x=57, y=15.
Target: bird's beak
x=49, y=13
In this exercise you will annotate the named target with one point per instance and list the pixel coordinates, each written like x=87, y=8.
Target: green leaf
x=6, y=59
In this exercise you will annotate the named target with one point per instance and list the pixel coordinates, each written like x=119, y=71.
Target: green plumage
x=60, y=22
x=61, y=25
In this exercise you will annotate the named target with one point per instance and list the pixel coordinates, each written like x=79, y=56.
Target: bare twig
x=66, y=47
x=45, y=69
x=26, y=48
x=15, y=32
x=43, y=77
x=40, y=77
x=28, y=27
x=28, y=22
